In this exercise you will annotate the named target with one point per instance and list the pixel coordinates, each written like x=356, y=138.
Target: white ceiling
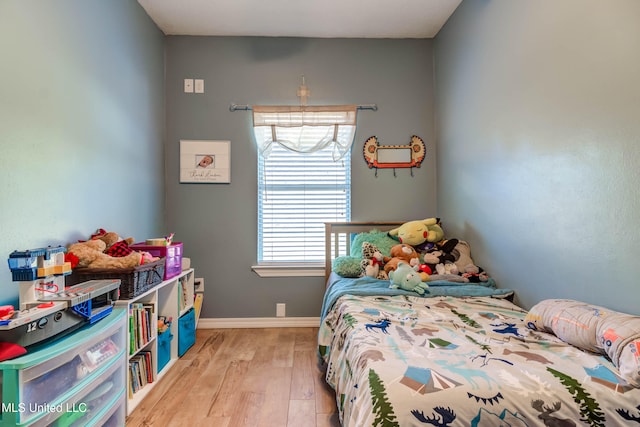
x=301, y=18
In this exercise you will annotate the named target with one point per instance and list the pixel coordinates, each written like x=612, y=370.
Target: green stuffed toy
x=420, y=234
x=405, y=277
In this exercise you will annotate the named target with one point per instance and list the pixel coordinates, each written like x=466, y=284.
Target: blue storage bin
x=186, y=331
x=164, y=348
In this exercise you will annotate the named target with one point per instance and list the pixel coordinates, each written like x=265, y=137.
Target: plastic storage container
x=186, y=331
x=172, y=254
x=164, y=348
x=70, y=381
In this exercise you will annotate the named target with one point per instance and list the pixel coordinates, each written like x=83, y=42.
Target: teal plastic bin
x=164, y=348
x=186, y=331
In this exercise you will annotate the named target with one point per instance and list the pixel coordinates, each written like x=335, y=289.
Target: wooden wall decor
x=394, y=156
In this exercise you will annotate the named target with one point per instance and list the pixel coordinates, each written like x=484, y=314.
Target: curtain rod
x=245, y=107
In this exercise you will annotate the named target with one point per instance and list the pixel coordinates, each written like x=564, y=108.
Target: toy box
x=172, y=254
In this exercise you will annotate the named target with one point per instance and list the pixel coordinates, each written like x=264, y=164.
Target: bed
x=465, y=355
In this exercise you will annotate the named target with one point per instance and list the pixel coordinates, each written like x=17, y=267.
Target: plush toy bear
x=401, y=252
x=372, y=262
x=405, y=277
x=116, y=246
x=421, y=234
x=91, y=254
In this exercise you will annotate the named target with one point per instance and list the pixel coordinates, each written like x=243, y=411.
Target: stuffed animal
x=475, y=274
x=462, y=256
x=424, y=271
x=116, y=246
x=91, y=254
x=441, y=255
x=421, y=234
x=401, y=252
x=372, y=262
x=405, y=277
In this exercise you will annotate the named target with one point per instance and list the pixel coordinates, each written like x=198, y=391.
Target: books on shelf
x=141, y=326
x=140, y=371
x=197, y=305
x=183, y=293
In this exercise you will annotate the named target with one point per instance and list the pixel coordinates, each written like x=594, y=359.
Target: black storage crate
x=133, y=281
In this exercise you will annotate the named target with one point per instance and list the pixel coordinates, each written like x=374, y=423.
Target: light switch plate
x=188, y=85
x=199, y=85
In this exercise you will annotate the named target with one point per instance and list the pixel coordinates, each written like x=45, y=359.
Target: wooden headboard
x=337, y=238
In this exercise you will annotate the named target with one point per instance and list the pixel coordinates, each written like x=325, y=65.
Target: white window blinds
x=297, y=194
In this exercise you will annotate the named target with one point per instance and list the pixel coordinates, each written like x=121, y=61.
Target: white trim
x=259, y=322
x=288, y=271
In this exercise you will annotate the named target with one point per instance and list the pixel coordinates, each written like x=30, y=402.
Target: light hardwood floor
x=243, y=377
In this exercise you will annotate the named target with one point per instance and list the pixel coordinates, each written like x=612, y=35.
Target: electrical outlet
x=281, y=309
x=188, y=85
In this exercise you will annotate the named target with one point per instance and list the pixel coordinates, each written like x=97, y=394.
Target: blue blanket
x=340, y=286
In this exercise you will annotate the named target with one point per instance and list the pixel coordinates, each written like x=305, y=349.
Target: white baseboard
x=259, y=322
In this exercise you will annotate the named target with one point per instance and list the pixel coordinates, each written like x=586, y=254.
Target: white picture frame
x=207, y=162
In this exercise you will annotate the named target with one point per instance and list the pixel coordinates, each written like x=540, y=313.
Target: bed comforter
x=466, y=360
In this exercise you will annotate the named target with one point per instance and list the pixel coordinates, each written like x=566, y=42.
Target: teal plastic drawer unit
x=69, y=382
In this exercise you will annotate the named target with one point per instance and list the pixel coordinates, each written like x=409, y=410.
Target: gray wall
x=217, y=222
x=538, y=144
x=81, y=123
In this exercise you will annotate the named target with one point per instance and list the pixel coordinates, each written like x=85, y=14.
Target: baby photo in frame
x=205, y=161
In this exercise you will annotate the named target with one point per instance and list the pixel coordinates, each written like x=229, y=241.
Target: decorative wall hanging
x=394, y=156
x=205, y=161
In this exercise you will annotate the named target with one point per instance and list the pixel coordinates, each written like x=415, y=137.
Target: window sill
x=289, y=270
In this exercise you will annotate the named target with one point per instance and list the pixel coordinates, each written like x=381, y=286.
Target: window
x=304, y=180
x=297, y=194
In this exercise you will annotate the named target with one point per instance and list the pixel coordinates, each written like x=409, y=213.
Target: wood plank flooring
x=243, y=377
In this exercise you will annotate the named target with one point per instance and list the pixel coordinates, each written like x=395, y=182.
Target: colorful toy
x=38, y=263
x=115, y=245
x=372, y=262
x=91, y=254
x=421, y=234
x=164, y=323
x=425, y=272
x=46, y=307
x=401, y=252
x=405, y=277
x=475, y=274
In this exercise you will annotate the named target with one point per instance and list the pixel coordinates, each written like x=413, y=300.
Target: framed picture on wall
x=207, y=162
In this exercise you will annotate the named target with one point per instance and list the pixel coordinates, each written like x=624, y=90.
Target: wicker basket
x=133, y=281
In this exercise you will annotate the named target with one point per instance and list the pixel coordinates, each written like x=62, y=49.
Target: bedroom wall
x=538, y=157
x=217, y=222
x=81, y=123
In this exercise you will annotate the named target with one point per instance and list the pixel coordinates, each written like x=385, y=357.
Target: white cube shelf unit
x=172, y=298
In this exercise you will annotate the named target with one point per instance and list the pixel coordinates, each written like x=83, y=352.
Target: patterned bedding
x=405, y=360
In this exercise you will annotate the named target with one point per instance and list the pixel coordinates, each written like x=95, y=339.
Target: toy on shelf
x=38, y=263
x=47, y=308
x=164, y=323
